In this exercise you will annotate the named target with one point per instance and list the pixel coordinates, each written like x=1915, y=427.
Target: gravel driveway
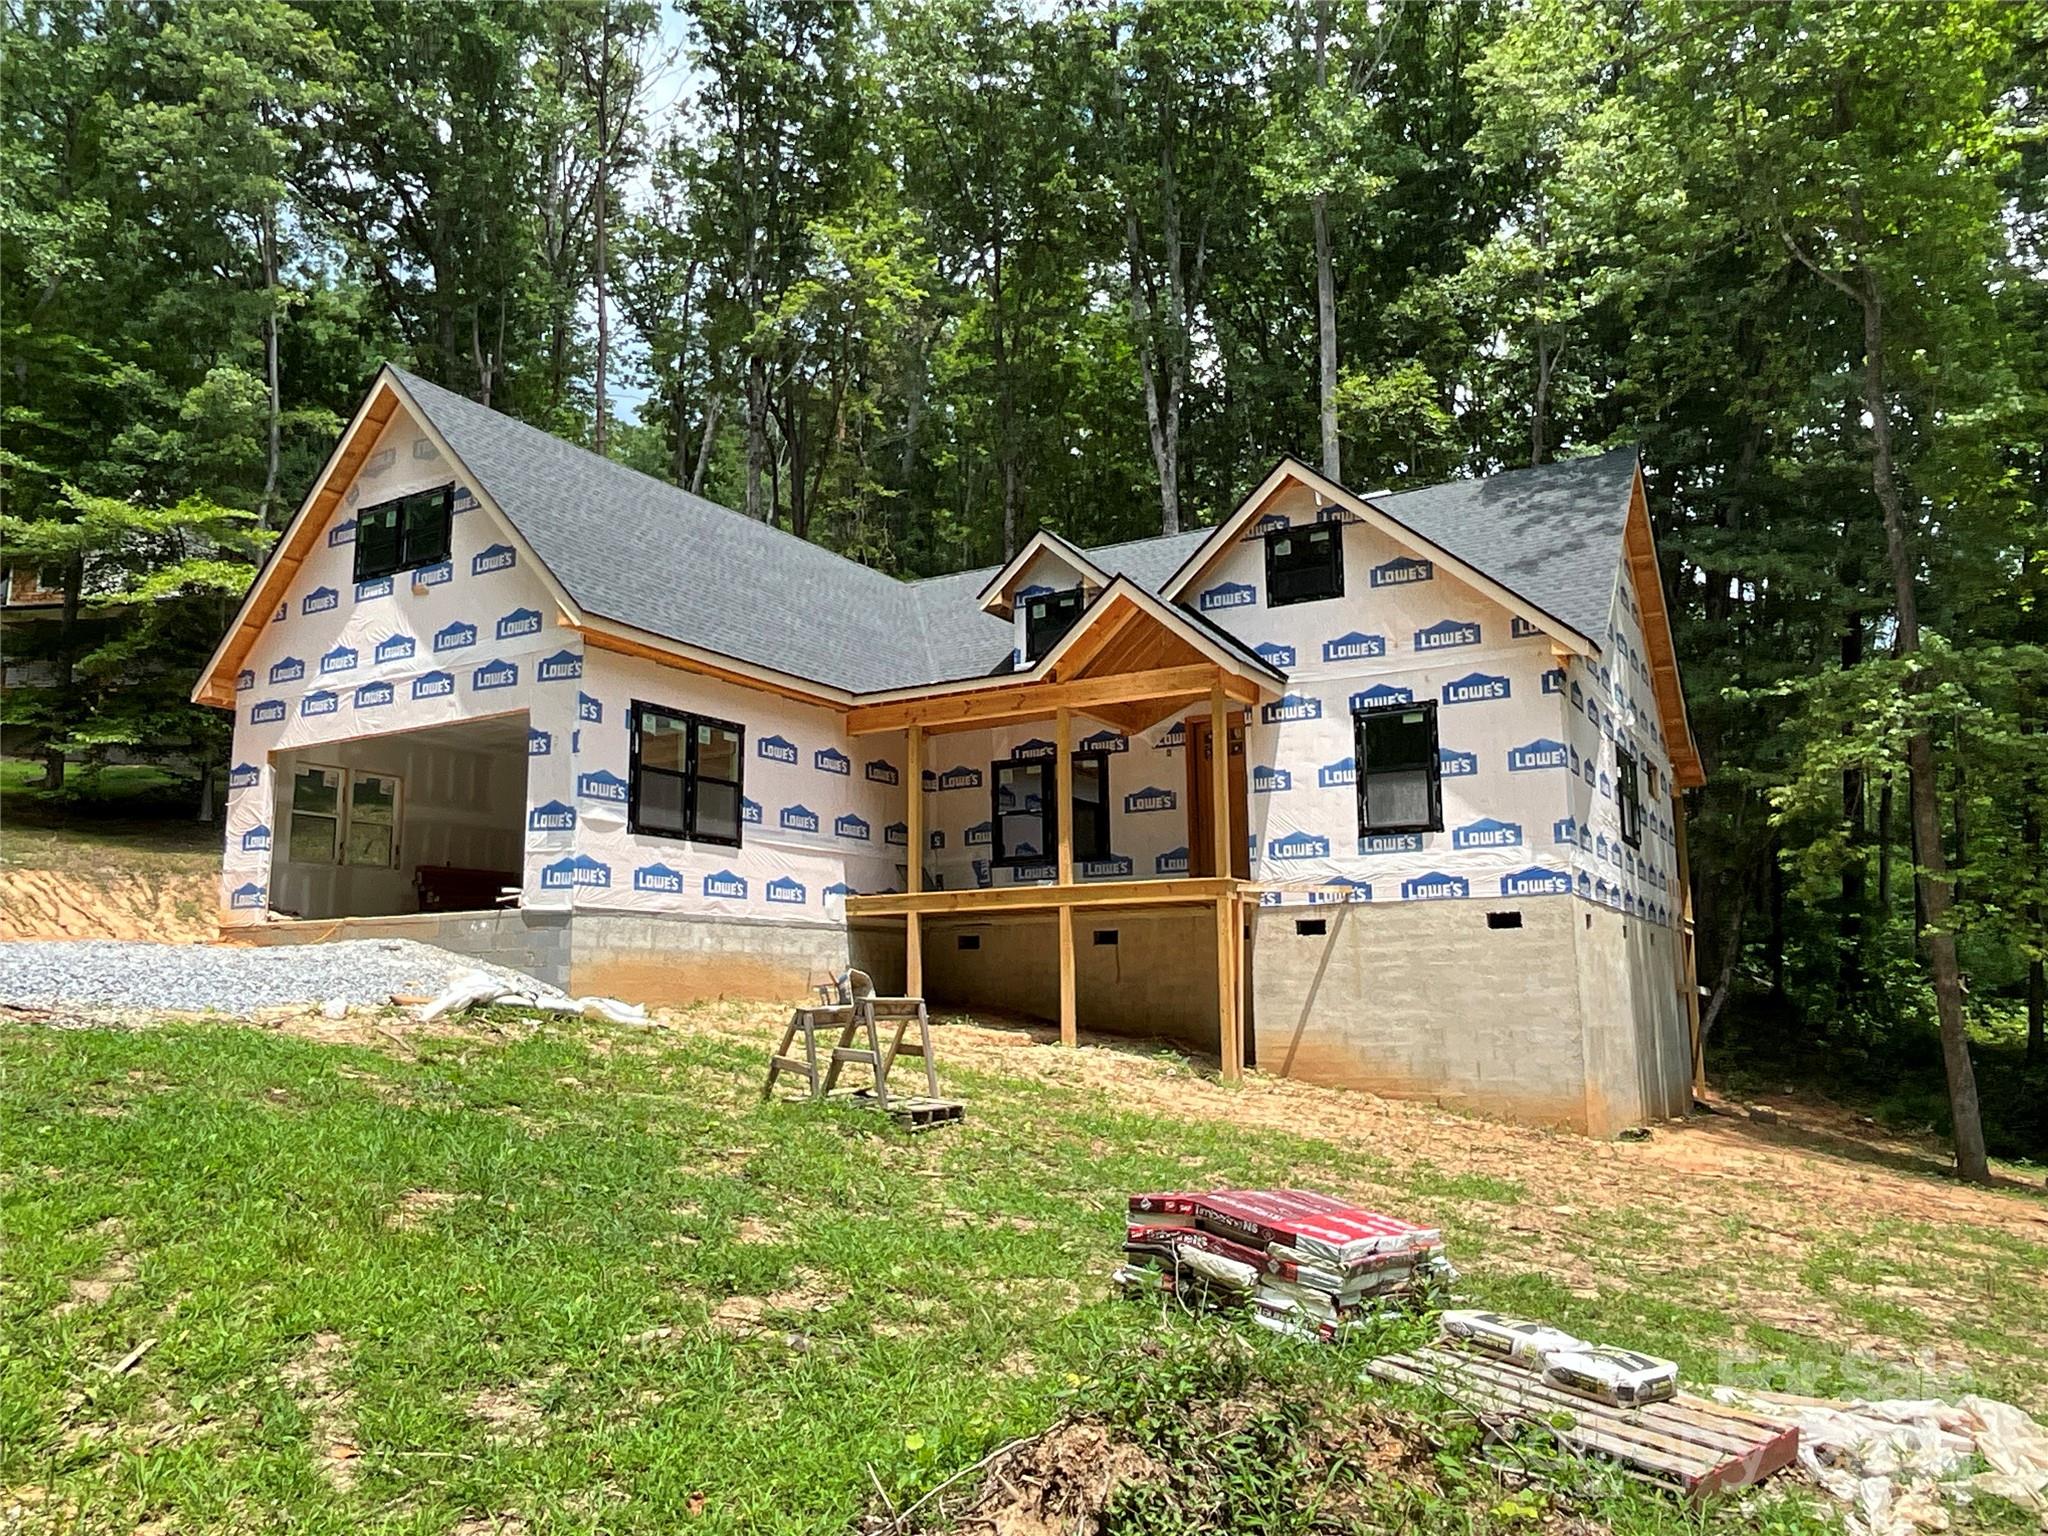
x=198, y=978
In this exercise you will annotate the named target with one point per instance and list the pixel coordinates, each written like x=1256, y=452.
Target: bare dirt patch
x=58, y=904
x=327, y=1405
x=513, y=1413
x=417, y=1206
x=98, y=1288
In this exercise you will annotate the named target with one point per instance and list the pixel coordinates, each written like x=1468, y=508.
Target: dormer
x=1043, y=592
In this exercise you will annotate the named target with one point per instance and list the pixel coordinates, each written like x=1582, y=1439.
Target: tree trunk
x=757, y=438
x=267, y=235
x=704, y=451
x=67, y=676
x=1855, y=869
x=604, y=168
x=1884, y=847
x=2037, y=975
x=1930, y=874
x=1326, y=284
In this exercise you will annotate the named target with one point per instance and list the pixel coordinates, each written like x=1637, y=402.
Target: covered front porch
x=1127, y=670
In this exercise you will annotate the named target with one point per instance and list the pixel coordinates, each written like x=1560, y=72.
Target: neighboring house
x=28, y=595
x=1442, y=854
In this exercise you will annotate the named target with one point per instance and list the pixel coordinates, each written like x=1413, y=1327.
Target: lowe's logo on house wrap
x=1565, y=830
x=1435, y=886
x=1487, y=833
x=1272, y=522
x=1036, y=747
x=287, y=670
x=437, y=575
x=1267, y=780
x=560, y=667
x=341, y=533
x=880, y=772
x=777, y=749
x=256, y=840
x=851, y=826
x=321, y=701
x=459, y=635
x=1176, y=736
x=374, y=695
x=786, y=892
x=1402, y=573
x=1520, y=628
x=1298, y=845
x=498, y=557
x=1475, y=688
x=341, y=659
x=1341, y=889
x=1150, y=798
x=1539, y=754
x=1447, y=635
x=601, y=784
x=539, y=743
x=1380, y=695
x=1115, y=867
x=831, y=760
x=1354, y=646
x=1376, y=843
x=1291, y=706
x=1536, y=882
x=268, y=712
x=1453, y=764
x=658, y=878
x=397, y=648
x=375, y=587
x=838, y=888
x=588, y=710
x=244, y=680
x=433, y=685
x=520, y=621
x=750, y=812
x=1338, y=774
x=960, y=778
x=495, y=674
x=897, y=834
x=1229, y=594
x=244, y=776
x=1172, y=862
x=936, y=840
x=1275, y=654
x=551, y=816
x=797, y=818
x=726, y=886
x=581, y=873
x=320, y=600
x=1553, y=680
x=246, y=898
x=979, y=835
x=1106, y=741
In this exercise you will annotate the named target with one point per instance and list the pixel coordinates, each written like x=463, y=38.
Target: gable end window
x=1304, y=565
x=1628, y=799
x=1400, y=783
x=1047, y=617
x=686, y=776
x=405, y=534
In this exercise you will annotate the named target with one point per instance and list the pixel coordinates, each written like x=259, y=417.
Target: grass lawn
x=128, y=819
x=568, y=1278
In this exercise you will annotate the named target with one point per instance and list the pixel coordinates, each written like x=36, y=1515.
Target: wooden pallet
x=913, y=1114
x=1690, y=1444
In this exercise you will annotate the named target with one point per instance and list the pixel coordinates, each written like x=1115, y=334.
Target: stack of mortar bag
x=1300, y=1262
x=1620, y=1377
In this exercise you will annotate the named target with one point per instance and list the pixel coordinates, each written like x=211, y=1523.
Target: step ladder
x=850, y=1006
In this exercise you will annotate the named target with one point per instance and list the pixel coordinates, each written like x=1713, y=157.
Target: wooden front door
x=1201, y=841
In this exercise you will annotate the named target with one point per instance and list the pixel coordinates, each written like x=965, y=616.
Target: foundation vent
x=1503, y=919
x=1311, y=927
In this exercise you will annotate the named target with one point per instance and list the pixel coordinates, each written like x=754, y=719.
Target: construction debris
x=481, y=989
x=1300, y=1262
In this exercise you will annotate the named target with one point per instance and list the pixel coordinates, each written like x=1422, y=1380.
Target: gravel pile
x=198, y=978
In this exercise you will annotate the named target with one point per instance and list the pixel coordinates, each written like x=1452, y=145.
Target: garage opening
x=431, y=820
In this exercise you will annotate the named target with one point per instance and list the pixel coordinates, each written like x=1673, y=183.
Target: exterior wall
x=671, y=958
x=468, y=639
x=1403, y=631
x=1141, y=986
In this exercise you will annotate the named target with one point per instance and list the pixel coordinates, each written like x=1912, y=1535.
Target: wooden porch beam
x=1063, y=819
x=913, y=874
x=1018, y=701
x=1201, y=891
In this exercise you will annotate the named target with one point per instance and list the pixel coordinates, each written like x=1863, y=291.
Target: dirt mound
x=54, y=904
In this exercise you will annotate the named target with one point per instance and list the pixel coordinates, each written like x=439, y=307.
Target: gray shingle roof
x=639, y=551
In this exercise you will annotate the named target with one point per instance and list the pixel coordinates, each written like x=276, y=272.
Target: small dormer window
x=1304, y=565
x=1046, y=618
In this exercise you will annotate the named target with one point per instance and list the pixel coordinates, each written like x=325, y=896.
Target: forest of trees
x=914, y=278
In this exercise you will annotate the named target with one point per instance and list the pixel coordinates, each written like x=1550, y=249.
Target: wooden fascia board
x=215, y=685
x=992, y=598
x=1015, y=701
x=1648, y=576
x=1123, y=589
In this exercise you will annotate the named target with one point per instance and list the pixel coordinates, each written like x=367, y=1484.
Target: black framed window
x=1091, y=806
x=405, y=534
x=1304, y=565
x=1628, y=798
x=1046, y=618
x=686, y=776
x=1020, y=812
x=1400, y=780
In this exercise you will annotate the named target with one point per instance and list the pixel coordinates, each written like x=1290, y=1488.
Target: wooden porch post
x=1228, y=1041
x=913, y=875
x=1688, y=946
x=1063, y=814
